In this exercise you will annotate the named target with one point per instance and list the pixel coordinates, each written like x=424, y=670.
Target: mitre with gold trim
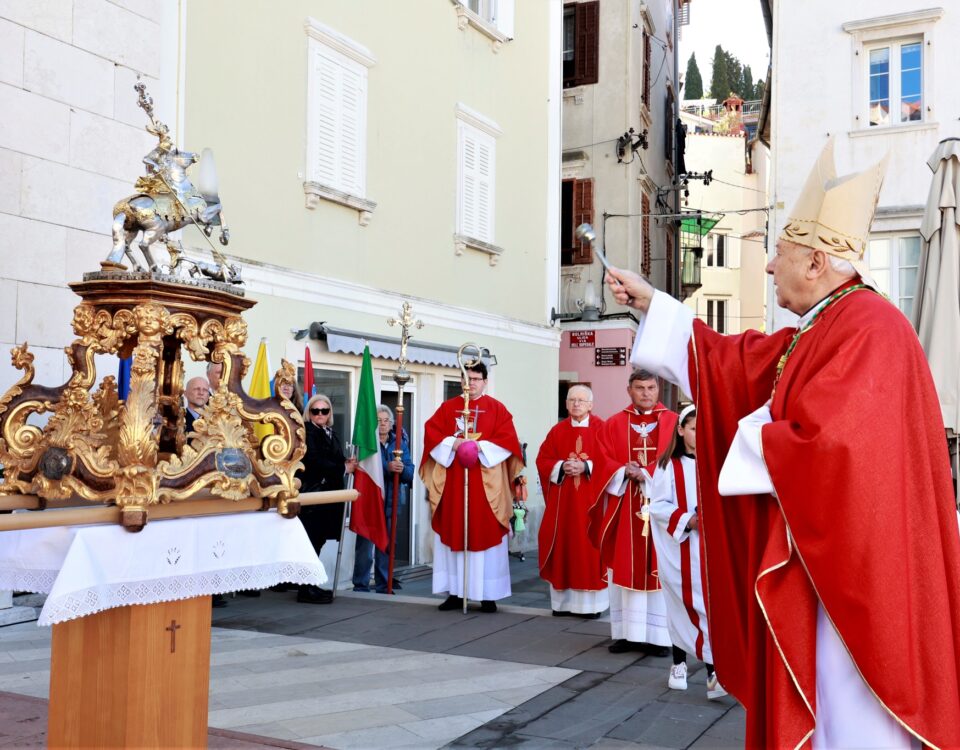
x=833, y=213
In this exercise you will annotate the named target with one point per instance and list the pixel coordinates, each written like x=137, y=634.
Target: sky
x=736, y=25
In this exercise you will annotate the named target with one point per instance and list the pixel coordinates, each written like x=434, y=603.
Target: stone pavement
x=371, y=671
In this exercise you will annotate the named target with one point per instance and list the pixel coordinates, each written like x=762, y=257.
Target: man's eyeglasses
x=579, y=401
x=325, y=410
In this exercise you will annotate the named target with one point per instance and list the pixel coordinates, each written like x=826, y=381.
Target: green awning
x=698, y=225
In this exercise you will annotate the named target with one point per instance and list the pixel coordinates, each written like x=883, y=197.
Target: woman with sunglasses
x=324, y=469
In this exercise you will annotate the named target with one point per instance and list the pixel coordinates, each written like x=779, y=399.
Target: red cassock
x=567, y=558
x=490, y=495
x=618, y=530
x=864, y=520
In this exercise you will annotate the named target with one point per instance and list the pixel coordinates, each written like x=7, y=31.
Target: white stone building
x=880, y=77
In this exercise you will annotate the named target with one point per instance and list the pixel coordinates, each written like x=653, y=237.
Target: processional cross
x=173, y=628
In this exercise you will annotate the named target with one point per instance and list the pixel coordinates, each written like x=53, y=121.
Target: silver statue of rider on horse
x=166, y=200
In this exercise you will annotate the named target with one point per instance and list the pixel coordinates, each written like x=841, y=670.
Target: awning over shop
x=387, y=347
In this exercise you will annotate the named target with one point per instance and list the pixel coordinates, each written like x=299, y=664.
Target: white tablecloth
x=87, y=569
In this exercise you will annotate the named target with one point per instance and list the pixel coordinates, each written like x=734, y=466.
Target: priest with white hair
x=826, y=506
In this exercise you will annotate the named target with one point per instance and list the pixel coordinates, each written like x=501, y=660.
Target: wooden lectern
x=134, y=676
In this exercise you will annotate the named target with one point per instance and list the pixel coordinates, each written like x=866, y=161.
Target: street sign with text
x=610, y=356
x=583, y=339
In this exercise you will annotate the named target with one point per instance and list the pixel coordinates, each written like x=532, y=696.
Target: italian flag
x=367, y=517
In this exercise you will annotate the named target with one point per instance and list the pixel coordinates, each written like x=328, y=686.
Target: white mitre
x=834, y=214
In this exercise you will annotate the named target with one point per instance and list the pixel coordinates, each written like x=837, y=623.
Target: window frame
x=871, y=33
x=717, y=311
x=579, y=252
x=586, y=44
x=348, y=56
x=710, y=251
x=484, y=132
x=895, y=80
x=895, y=267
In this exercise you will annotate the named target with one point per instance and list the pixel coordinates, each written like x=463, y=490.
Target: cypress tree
x=693, y=81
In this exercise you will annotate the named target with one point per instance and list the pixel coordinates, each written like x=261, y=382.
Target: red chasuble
x=864, y=520
x=618, y=533
x=490, y=495
x=567, y=558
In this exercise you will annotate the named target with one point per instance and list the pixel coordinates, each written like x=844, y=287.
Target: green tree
x=727, y=75
x=759, y=88
x=746, y=88
x=693, y=81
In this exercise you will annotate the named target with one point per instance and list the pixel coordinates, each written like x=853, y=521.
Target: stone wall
x=71, y=144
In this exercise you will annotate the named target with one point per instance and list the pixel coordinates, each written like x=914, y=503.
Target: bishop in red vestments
x=828, y=520
x=573, y=473
x=485, y=445
x=633, y=440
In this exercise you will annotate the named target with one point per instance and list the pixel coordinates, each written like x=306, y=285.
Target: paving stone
x=456, y=704
x=599, y=659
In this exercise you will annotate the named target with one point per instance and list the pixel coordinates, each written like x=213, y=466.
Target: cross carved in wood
x=173, y=628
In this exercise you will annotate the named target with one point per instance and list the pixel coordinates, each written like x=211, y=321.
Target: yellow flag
x=260, y=385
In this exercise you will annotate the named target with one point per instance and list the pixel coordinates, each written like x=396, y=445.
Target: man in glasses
x=485, y=446
x=573, y=473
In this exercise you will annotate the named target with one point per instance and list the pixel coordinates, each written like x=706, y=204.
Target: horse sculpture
x=166, y=199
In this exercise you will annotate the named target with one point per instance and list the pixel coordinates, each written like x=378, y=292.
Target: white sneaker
x=714, y=688
x=678, y=677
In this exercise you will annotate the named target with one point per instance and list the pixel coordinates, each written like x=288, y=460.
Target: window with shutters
x=669, y=126
x=336, y=168
x=576, y=208
x=646, y=240
x=668, y=237
x=581, y=43
x=645, y=95
x=476, y=182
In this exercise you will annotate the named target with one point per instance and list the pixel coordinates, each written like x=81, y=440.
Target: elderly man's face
x=214, y=374
x=788, y=267
x=197, y=393
x=644, y=394
x=579, y=403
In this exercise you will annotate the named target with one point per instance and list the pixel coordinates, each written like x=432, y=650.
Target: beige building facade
x=371, y=153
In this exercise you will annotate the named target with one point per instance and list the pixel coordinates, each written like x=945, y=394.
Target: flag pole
x=351, y=451
x=401, y=377
x=468, y=434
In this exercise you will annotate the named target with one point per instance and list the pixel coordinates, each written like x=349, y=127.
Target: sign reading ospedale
x=583, y=339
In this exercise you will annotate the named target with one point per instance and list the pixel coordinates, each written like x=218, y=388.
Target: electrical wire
x=742, y=187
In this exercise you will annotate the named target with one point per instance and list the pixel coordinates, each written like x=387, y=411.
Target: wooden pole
x=80, y=515
x=398, y=456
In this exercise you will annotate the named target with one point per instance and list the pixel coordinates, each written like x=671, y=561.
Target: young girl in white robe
x=674, y=522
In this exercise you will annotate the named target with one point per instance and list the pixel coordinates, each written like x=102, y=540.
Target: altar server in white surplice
x=676, y=536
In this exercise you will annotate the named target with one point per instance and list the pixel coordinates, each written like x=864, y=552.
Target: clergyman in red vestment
x=497, y=461
x=573, y=473
x=633, y=439
x=828, y=519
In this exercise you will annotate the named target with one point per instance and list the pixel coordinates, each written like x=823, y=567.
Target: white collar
x=584, y=423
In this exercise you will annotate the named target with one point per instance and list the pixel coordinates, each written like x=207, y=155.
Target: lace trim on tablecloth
x=33, y=581
x=88, y=601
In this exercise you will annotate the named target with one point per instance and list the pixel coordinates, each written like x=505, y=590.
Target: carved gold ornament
x=133, y=452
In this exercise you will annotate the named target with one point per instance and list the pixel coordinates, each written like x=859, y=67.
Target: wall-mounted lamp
x=630, y=142
x=588, y=305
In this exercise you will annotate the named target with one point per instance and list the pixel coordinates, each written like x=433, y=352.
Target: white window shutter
x=734, y=324
x=325, y=137
x=733, y=252
x=485, y=188
x=468, y=182
x=352, y=131
x=505, y=12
